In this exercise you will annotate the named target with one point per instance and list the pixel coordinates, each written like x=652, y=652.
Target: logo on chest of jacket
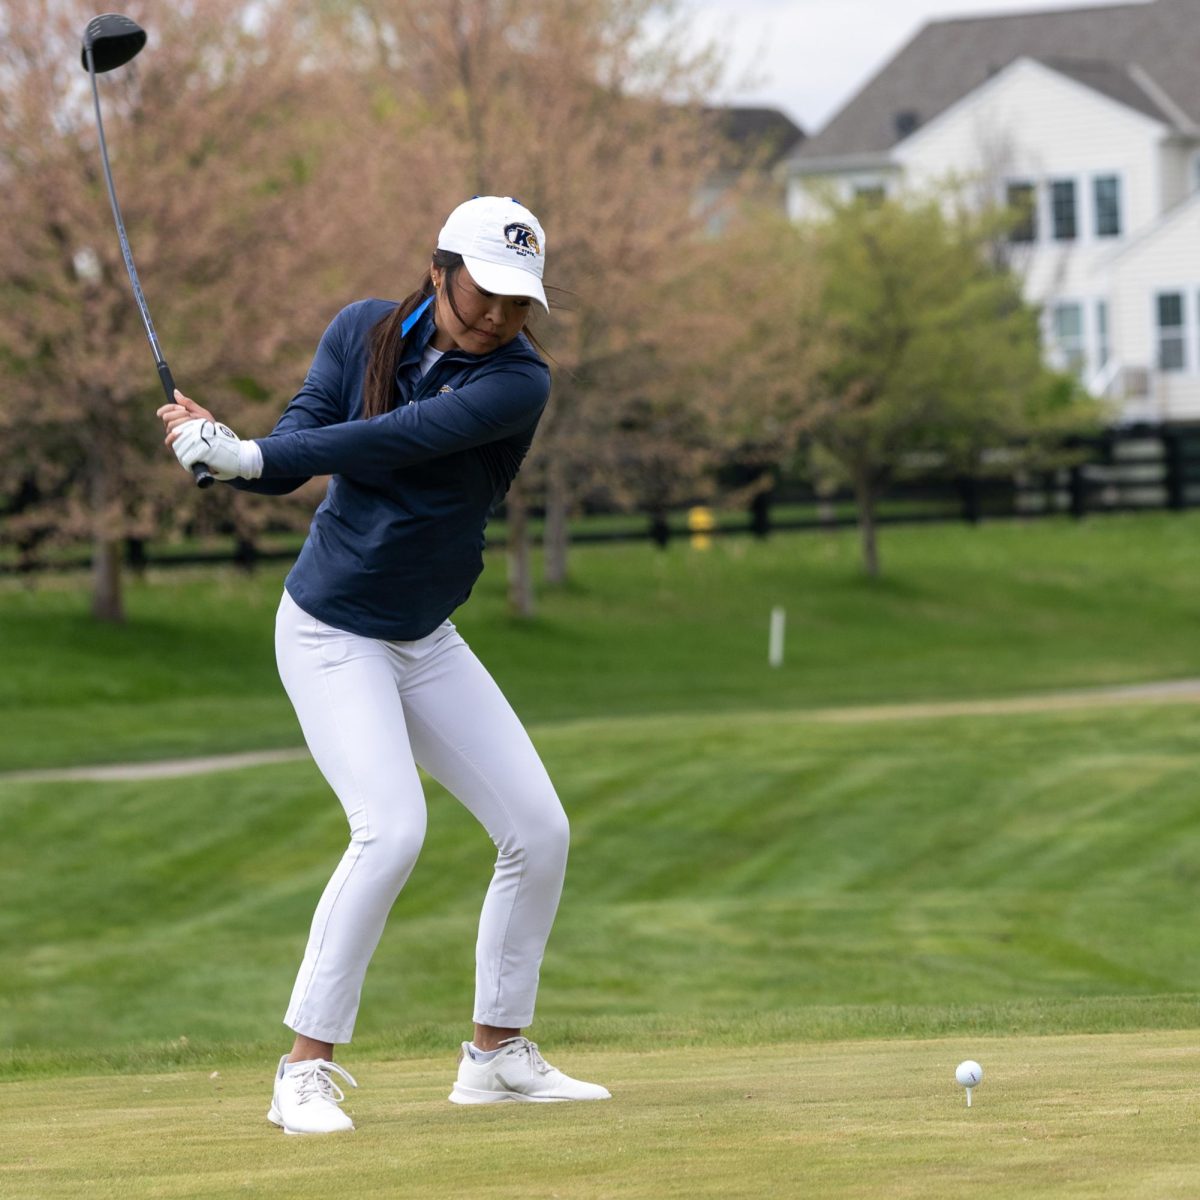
x=522, y=239
x=444, y=389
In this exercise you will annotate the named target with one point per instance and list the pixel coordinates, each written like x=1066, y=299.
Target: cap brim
x=506, y=281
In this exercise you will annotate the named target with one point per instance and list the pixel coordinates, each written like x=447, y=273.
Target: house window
x=872, y=195
x=1101, y=334
x=1068, y=335
x=1062, y=210
x=1171, y=356
x=1107, y=191
x=1021, y=199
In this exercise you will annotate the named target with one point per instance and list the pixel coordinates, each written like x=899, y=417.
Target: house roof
x=1118, y=81
x=760, y=136
x=1112, y=48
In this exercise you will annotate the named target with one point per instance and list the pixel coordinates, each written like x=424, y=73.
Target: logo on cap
x=522, y=239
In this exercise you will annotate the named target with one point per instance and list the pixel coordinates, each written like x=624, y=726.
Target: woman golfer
x=421, y=412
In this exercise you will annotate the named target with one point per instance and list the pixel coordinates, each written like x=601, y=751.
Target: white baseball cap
x=502, y=244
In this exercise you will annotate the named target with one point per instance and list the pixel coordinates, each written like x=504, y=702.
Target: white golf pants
x=371, y=712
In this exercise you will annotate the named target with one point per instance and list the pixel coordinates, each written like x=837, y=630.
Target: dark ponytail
x=386, y=343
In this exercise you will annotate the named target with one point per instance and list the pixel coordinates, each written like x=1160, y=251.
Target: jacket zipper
x=425, y=383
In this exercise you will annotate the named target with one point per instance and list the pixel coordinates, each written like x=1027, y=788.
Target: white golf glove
x=218, y=448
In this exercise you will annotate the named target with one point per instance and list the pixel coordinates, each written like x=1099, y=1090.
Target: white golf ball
x=968, y=1073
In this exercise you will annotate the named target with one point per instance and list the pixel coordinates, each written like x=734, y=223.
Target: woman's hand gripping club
x=197, y=436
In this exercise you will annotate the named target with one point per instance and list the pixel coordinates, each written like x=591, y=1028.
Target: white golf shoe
x=518, y=1073
x=306, y=1099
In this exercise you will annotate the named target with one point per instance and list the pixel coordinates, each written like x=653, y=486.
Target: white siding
x=1031, y=124
x=1165, y=260
x=1177, y=174
x=804, y=192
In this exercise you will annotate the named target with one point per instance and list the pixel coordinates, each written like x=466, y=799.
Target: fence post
x=135, y=555
x=245, y=554
x=1176, y=474
x=1078, y=492
x=760, y=514
x=660, y=530
x=968, y=491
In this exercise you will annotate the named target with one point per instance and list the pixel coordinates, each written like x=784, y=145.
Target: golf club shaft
x=199, y=470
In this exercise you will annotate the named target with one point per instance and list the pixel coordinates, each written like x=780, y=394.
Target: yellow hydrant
x=701, y=523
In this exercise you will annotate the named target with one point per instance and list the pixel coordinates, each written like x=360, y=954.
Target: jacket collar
x=422, y=331
x=418, y=339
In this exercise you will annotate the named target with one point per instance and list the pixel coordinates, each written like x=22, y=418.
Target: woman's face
x=487, y=321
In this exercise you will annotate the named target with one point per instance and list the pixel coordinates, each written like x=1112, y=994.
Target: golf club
x=110, y=41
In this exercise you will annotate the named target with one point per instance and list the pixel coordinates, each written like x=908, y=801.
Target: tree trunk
x=556, y=540
x=760, y=514
x=106, y=548
x=864, y=499
x=520, y=571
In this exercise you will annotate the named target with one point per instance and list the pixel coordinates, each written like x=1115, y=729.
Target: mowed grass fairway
x=1055, y=1118
x=782, y=928
x=736, y=878
x=999, y=610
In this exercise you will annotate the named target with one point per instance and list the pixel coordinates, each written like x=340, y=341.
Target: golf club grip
x=199, y=471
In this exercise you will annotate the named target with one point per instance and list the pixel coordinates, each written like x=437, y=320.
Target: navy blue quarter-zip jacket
x=397, y=543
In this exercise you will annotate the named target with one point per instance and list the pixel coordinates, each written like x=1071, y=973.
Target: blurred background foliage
x=276, y=161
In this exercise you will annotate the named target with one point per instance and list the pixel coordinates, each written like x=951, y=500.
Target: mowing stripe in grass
x=735, y=867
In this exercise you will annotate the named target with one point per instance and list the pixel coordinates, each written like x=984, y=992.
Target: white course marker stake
x=775, y=639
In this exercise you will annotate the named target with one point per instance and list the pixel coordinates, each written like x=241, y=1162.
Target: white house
x=1087, y=120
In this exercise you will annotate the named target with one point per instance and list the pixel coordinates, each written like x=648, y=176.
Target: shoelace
x=536, y=1060
x=315, y=1079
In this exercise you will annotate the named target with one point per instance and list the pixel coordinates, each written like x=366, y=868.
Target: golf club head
x=113, y=40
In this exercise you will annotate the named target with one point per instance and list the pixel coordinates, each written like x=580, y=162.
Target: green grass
x=1054, y=1119
x=733, y=878
x=961, y=612
x=779, y=932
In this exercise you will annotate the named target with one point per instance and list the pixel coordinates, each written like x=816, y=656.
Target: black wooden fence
x=1131, y=469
